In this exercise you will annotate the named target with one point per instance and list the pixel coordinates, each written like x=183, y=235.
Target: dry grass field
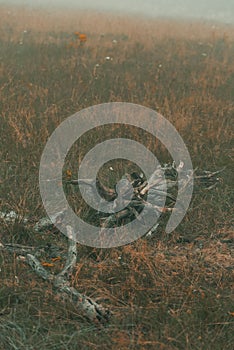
x=173, y=291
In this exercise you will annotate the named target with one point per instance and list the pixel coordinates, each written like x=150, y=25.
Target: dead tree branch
x=88, y=307
x=163, y=183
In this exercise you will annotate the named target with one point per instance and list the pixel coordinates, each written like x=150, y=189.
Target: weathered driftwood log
x=163, y=183
x=88, y=307
x=158, y=186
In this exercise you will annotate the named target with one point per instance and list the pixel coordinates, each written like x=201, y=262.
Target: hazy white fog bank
x=218, y=10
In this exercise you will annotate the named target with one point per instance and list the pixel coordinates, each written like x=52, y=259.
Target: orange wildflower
x=83, y=38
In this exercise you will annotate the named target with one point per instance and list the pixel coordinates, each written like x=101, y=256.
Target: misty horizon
x=214, y=10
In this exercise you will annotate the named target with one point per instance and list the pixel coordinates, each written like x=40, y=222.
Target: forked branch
x=88, y=307
x=163, y=182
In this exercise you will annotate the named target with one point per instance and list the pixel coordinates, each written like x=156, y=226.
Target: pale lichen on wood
x=158, y=184
x=88, y=307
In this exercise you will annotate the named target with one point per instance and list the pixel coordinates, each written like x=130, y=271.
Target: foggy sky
x=220, y=10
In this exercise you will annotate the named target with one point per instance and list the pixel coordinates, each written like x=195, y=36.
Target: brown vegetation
x=170, y=292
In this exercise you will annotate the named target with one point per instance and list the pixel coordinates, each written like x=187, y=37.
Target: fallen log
x=163, y=183
x=158, y=186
